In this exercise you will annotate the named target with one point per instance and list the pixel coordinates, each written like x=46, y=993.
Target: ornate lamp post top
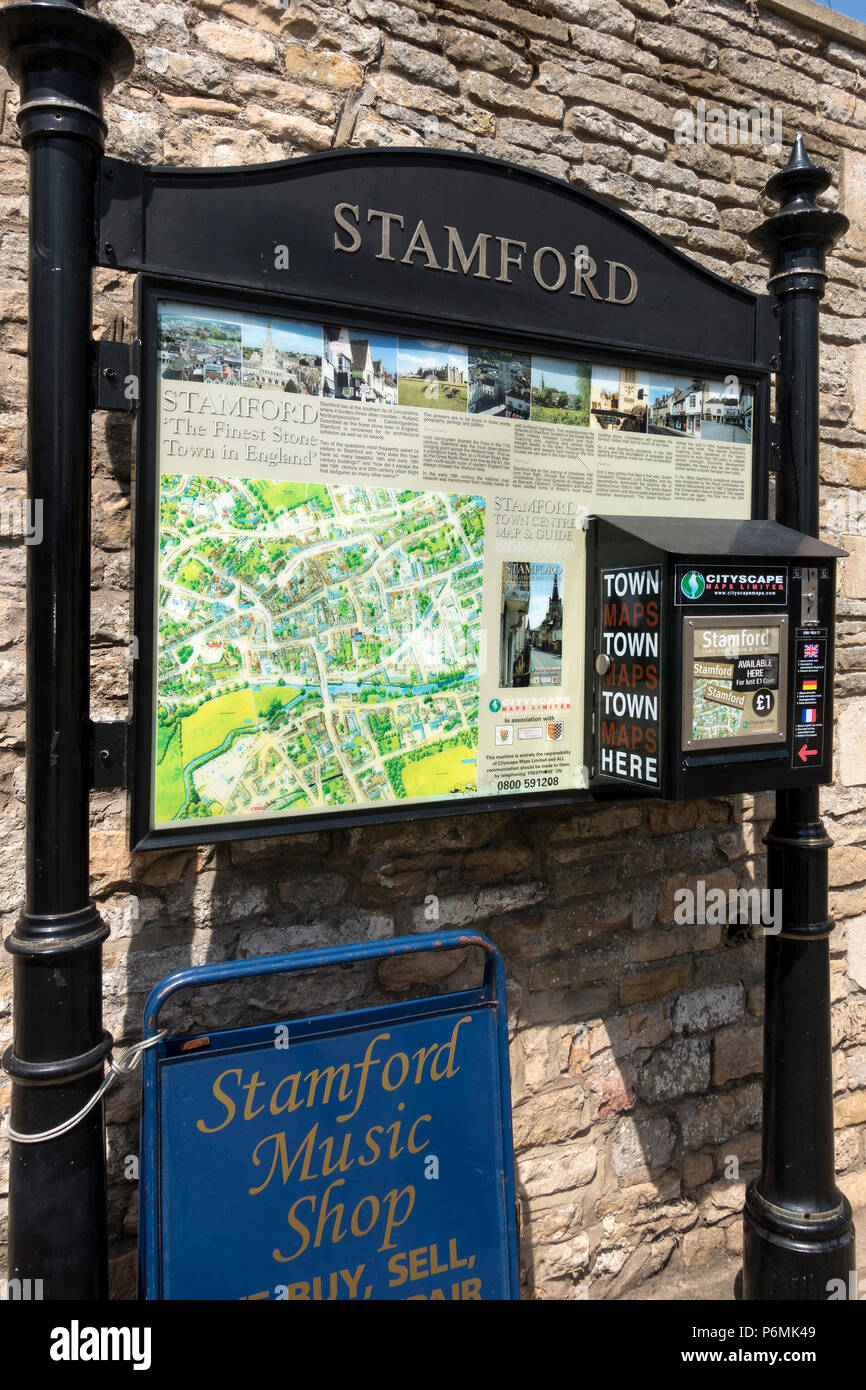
x=64, y=58
x=799, y=235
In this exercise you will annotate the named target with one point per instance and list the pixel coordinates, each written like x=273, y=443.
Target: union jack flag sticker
x=810, y=651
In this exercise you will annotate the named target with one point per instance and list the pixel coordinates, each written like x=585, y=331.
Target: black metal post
x=63, y=60
x=798, y=1229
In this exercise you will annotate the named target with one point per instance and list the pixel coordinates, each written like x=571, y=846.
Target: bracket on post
x=115, y=366
x=109, y=745
x=768, y=331
x=775, y=446
x=120, y=214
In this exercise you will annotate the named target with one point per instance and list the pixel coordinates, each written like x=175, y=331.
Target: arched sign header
x=435, y=235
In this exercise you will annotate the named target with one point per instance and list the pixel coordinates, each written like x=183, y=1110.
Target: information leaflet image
x=530, y=636
x=369, y=545
x=735, y=681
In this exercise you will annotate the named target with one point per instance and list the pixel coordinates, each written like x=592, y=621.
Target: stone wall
x=636, y=1052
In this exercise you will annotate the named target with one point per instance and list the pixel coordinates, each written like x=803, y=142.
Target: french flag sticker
x=809, y=716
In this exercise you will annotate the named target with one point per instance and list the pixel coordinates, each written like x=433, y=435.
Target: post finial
x=798, y=236
x=800, y=181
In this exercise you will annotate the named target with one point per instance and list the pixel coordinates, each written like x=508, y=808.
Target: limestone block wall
x=636, y=1052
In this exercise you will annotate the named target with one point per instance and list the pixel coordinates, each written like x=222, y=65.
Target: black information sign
x=433, y=235
x=375, y=410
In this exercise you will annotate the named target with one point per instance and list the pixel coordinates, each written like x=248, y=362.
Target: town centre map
x=334, y=632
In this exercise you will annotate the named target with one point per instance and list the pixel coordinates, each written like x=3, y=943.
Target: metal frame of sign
x=179, y=1050
x=147, y=214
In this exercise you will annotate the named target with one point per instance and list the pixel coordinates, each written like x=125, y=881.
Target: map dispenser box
x=709, y=657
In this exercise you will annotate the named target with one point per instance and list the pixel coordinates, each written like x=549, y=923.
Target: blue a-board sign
x=364, y=1155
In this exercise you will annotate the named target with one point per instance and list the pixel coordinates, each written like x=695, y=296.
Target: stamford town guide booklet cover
x=371, y=573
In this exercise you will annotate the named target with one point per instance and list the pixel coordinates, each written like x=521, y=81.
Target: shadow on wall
x=636, y=1042
x=637, y=1115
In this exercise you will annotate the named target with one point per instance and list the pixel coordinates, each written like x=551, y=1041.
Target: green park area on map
x=317, y=646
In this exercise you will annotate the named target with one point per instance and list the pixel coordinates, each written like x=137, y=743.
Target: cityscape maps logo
x=693, y=584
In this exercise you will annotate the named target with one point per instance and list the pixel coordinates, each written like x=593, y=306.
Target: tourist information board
x=359, y=1156
x=360, y=537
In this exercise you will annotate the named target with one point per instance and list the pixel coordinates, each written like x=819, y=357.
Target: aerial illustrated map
x=318, y=646
x=718, y=710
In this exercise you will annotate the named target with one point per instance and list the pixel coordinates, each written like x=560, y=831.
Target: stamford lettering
x=389, y=1071
x=489, y=256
